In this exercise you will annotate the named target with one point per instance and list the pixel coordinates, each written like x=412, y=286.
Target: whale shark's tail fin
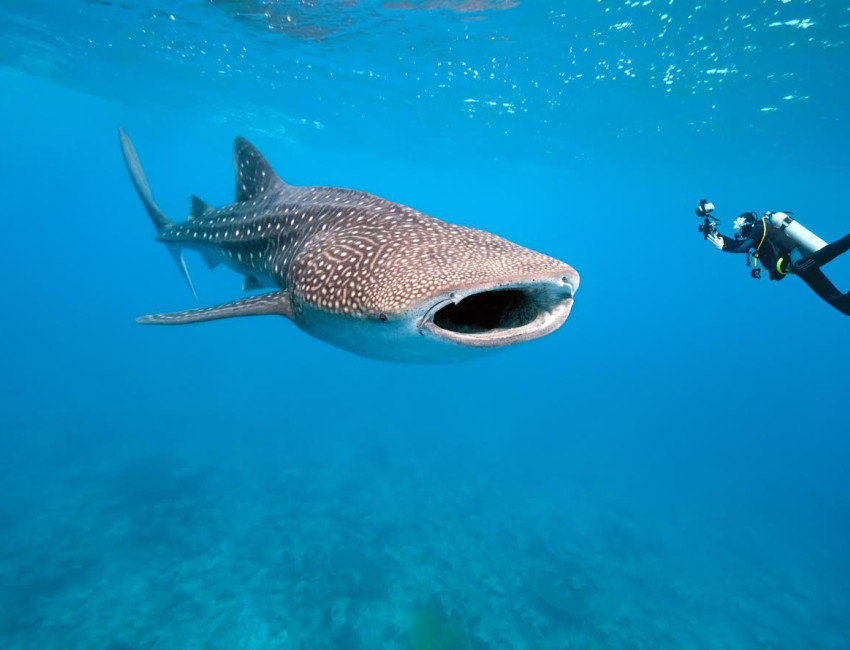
x=159, y=219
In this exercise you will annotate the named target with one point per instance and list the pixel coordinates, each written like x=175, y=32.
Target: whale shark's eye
x=383, y=318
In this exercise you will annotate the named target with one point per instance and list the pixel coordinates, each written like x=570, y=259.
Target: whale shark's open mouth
x=503, y=314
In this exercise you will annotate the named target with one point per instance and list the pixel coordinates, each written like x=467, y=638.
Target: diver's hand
x=717, y=240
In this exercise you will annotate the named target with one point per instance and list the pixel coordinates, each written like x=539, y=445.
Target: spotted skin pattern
x=346, y=251
x=342, y=258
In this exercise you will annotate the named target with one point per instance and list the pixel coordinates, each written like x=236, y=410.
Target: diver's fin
x=162, y=223
x=198, y=208
x=276, y=302
x=254, y=175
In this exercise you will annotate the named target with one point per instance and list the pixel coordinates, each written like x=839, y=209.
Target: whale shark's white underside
x=365, y=274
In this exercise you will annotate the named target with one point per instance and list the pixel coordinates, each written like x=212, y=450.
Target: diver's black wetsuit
x=774, y=253
x=809, y=271
x=772, y=248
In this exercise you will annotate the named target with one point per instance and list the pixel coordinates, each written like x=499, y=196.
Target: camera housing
x=704, y=208
x=708, y=226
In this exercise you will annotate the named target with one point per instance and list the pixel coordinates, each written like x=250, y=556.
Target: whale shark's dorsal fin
x=254, y=176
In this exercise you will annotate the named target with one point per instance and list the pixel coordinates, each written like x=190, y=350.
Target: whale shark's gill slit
x=491, y=310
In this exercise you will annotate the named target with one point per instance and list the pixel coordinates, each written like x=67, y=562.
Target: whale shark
x=365, y=274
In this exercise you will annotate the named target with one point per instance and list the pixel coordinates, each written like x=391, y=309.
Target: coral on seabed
x=433, y=629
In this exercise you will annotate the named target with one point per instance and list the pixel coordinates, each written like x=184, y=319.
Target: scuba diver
x=783, y=247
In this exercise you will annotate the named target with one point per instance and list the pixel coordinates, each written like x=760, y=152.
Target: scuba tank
x=807, y=241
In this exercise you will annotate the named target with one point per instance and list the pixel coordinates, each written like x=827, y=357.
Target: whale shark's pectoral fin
x=276, y=302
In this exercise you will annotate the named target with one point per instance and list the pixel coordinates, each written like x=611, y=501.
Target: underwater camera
x=709, y=224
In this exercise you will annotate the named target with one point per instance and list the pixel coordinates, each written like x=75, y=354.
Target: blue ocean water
x=666, y=471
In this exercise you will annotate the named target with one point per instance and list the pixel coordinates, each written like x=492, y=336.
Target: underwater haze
x=668, y=470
